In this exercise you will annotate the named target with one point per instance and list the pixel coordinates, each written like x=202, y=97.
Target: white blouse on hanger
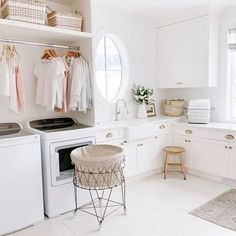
x=80, y=95
x=50, y=75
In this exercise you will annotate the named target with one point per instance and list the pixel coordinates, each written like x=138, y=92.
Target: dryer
x=59, y=137
x=21, y=193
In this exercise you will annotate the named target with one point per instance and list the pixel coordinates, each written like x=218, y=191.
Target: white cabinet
x=232, y=160
x=130, y=159
x=195, y=151
x=217, y=159
x=144, y=156
x=187, y=53
x=157, y=146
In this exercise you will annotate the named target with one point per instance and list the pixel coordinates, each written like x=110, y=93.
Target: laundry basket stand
x=100, y=181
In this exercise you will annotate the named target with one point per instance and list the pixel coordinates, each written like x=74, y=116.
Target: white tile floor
x=155, y=207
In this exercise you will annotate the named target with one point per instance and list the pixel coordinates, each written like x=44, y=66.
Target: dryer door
x=62, y=169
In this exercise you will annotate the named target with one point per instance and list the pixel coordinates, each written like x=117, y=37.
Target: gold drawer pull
x=162, y=127
x=109, y=135
x=188, y=131
x=229, y=137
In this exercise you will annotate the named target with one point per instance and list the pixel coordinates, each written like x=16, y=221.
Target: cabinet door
x=198, y=148
x=130, y=159
x=157, y=154
x=182, y=54
x=143, y=156
x=217, y=158
x=232, y=161
x=183, y=141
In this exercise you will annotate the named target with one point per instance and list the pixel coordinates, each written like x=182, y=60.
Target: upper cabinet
x=187, y=53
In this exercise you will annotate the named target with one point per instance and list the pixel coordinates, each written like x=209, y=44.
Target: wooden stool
x=177, y=152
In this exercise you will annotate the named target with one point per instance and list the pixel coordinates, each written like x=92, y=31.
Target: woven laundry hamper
x=98, y=166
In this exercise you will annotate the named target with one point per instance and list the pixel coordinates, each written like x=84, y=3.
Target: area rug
x=221, y=210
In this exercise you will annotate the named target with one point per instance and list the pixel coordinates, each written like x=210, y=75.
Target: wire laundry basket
x=99, y=168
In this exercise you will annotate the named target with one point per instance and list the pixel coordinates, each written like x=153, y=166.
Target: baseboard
x=230, y=182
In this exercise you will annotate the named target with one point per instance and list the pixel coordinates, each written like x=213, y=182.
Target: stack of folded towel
x=199, y=111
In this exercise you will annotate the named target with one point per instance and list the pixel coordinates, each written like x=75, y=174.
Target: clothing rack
x=50, y=45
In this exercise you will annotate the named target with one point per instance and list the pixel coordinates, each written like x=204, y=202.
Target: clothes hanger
x=73, y=54
x=14, y=52
x=47, y=54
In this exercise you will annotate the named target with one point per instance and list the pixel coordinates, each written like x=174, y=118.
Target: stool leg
x=166, y=166
x=182, y=165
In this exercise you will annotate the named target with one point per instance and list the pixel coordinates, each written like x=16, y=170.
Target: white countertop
x=136, y=122
x=211, y=125
x=176, y=121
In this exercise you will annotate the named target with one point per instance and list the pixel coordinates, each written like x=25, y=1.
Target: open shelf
x=40, y=33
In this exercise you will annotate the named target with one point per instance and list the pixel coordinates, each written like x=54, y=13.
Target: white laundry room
x=117, y=117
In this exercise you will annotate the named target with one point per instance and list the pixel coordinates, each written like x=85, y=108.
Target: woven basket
x=174, y=107
x=65, y=20
x=24, y=10
x=98, y=166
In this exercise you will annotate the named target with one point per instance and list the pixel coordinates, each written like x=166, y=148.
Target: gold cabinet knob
x=188, y=131
x=229, y=137
x=109, y=135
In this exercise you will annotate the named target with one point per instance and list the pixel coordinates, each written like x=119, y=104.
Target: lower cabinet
x=143, y=152
x=195, y=156
x=130, y=159
x=218, y=158
x=232, y=160
x=157, y=146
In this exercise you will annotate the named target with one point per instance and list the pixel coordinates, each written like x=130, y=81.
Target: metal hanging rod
x=50, y=45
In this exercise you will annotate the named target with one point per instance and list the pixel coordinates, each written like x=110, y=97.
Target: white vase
x=142, y=113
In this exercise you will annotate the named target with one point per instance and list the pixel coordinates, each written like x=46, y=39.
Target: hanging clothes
x=50, y=76
x=11, y=84
x=80, y=93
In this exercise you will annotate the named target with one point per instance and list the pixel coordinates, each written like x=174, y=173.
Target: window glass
x=108, y=69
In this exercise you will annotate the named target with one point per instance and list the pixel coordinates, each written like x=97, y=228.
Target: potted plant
x=142, y=96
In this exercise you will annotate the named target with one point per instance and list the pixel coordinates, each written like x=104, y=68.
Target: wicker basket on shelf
x=174, y=107
x=65, y=20
x=24, y=10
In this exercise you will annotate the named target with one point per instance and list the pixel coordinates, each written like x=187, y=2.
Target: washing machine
x=21, y=193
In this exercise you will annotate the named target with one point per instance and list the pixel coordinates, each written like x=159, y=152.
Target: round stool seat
x=173, y=149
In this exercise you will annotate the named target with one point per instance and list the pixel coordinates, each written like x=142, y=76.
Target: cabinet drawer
x=190, y=131
x=222, y=135
x=109, y=134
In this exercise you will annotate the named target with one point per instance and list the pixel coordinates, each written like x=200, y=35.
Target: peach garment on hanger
x=19, y=91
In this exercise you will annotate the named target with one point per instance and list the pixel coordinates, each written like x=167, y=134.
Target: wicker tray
x=174, y=107
x=65, y=20
x=24, y=10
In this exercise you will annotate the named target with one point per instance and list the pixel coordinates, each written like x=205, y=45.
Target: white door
x=182, y=54
x=198, y=148
x=130, y=159
x=184, y=141
x=232, y=161
x=217, y=158
x=143, y=156
x=157, y=154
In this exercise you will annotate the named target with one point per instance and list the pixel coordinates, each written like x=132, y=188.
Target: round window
x=108, y=69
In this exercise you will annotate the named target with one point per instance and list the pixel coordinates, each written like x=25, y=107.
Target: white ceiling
x=160, y=8
x=155, y=8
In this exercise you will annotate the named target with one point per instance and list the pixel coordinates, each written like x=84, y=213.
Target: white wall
x=138, y=38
